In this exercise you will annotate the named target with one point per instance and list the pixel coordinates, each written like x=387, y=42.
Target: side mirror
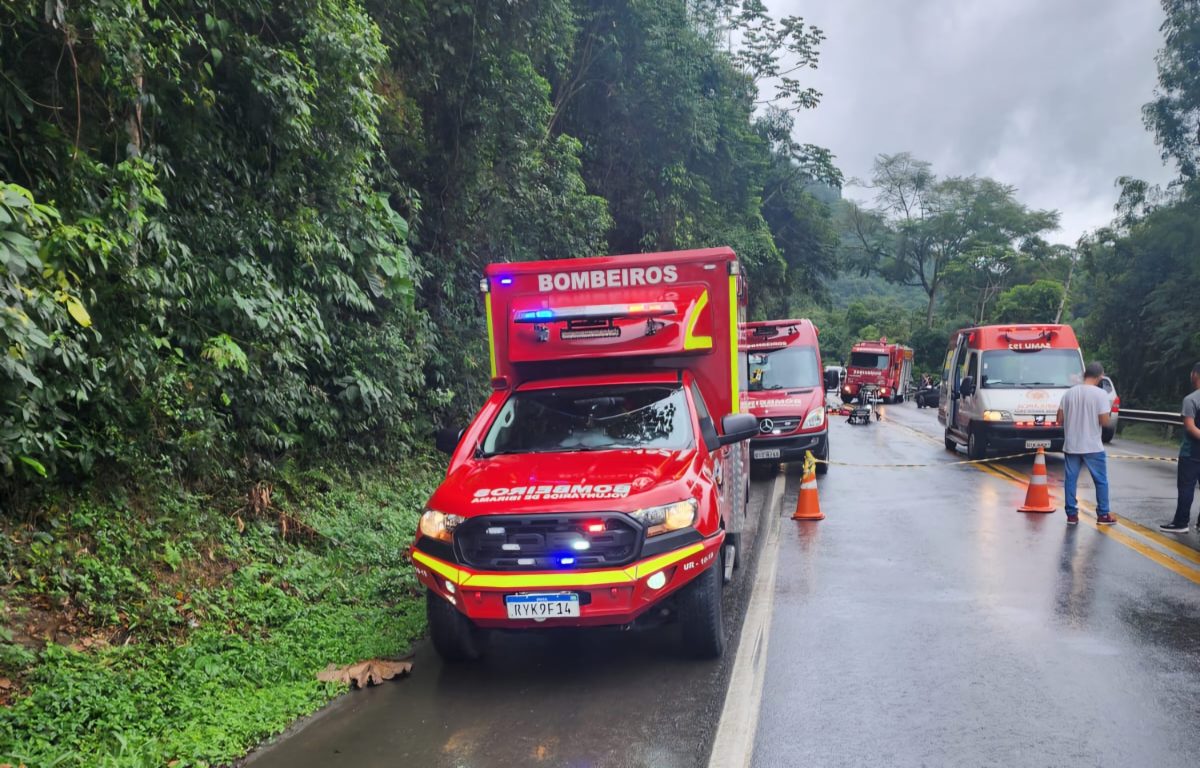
x=966, y=387
x=738, y=427
x=446, y=439
x=832, y=380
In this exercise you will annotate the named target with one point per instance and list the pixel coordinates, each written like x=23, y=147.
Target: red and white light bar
x=596, y=312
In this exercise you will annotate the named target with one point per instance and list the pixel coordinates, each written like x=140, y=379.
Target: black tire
x=951, y=443
x=823, y=468
x=976, y=445
x=701, y=624
x=454, y=637
x=1107, y=435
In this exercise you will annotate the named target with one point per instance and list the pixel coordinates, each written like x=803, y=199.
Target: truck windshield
x=1006, y=369
x=868, y=360
x=787, y=368
x=591, y=419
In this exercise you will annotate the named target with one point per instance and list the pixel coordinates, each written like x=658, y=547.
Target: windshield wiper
x=504, y=452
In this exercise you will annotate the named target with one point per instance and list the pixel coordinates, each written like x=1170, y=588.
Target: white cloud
x=1045, y=95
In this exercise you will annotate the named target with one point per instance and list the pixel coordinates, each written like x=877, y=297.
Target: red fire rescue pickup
x=784, y=391
x=887, y=366
x=605, y=479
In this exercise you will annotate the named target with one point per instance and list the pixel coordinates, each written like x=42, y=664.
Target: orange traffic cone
x=1037, y=498
x=808, y=506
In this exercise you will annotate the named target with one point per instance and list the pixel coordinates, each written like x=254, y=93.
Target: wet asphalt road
x=924, y=622
x=600, y=699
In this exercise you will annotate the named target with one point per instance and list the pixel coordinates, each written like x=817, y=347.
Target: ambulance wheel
x=701, y=625
x=454, y=636
x=976, y=445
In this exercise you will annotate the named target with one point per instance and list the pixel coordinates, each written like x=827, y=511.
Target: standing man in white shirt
x=1085, y=409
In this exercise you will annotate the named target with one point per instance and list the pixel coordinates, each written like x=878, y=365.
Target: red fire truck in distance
x=888, y=366
x=785, y=391
x=606, y=475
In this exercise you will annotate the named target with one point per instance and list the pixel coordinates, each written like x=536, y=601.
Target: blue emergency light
x=536, y=314
x=506, y=281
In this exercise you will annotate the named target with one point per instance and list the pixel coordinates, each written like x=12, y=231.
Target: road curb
x=734, y=744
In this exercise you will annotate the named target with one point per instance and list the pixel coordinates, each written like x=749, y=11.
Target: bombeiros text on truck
x=785, y=391
x=604, y=481
x=1001, y=386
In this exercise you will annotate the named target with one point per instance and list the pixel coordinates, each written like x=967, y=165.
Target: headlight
x=815, y=418
x=846, y=388
x=997, y=416
x=439, y=525
x=668, y=517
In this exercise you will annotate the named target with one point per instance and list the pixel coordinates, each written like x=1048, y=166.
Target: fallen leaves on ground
x=365, y=673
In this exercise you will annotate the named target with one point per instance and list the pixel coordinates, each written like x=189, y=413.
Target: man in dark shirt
x=1189, y=459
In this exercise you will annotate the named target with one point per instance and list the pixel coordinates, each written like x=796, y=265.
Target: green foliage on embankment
x=190, y=626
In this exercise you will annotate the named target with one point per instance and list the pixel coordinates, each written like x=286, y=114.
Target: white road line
x=734, y=745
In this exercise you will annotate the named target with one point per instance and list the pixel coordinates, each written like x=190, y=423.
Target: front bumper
x=791, y=447
x=1009, y=437
x=608, y=597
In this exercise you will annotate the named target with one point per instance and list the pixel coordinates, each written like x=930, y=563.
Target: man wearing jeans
x=1084, y=411
x=1189, y=459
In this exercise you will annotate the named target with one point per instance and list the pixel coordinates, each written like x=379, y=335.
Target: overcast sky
x=1044, y=95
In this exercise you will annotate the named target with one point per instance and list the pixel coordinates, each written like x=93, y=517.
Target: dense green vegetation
x=174, y=629
x=240, y=240
x=1141, y=272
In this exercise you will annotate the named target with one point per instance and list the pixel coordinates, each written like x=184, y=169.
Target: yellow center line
x=1182, y=550
x=1183, y=569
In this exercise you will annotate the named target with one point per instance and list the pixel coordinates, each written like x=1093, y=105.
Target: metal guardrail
x=1151, y=417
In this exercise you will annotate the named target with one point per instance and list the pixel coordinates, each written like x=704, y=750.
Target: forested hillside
x=237, y=232
x=240, y=245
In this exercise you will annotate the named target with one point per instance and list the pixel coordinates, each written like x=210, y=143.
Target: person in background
x=1189, y=459
x=1083, y=412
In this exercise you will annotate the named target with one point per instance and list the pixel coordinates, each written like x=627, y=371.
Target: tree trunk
x=1062, y=305
x=929, y=309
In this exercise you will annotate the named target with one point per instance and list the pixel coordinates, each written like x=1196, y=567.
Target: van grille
x=767, y=426
x=540, y=542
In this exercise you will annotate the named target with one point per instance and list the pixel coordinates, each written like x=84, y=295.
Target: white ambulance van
x=1002, y=384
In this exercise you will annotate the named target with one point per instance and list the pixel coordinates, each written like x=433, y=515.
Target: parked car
x=927, y=395
x=1110, y=431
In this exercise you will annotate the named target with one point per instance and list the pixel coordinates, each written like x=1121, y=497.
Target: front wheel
x=976, y=445
x=702, y=627
x=454, y=636
x=1107, y=434
x=951, y=443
